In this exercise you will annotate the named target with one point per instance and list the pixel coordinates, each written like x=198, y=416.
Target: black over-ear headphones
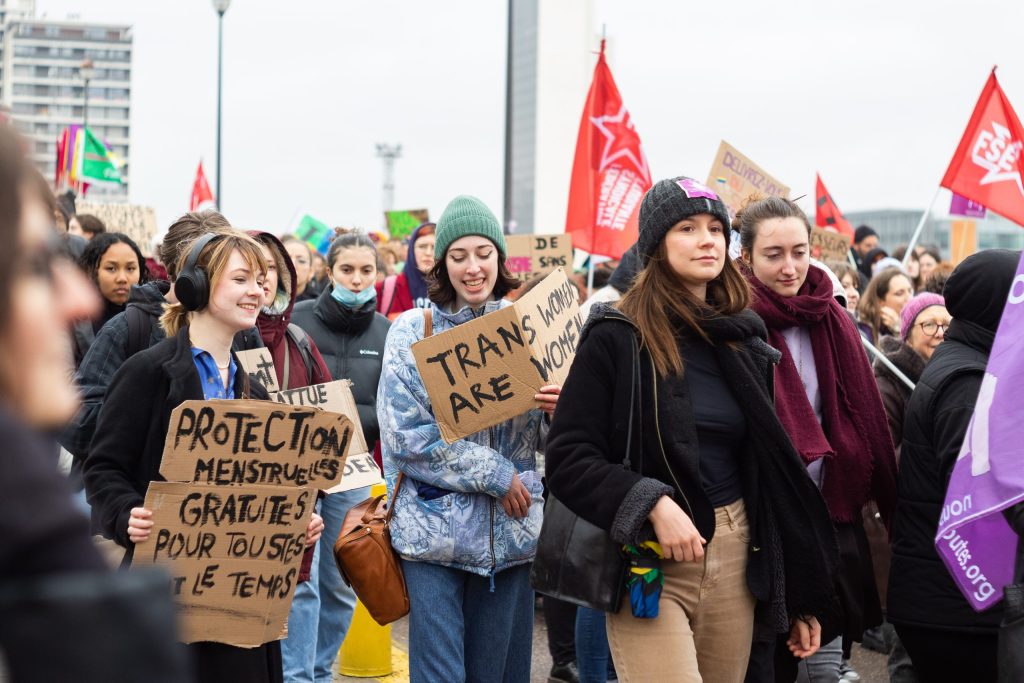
x=193, y=284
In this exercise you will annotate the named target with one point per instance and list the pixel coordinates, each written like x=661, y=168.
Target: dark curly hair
x=97, y=247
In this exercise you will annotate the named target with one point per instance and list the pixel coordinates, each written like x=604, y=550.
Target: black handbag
x=577, y=561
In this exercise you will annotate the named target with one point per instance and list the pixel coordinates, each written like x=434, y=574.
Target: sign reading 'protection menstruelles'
x=973, y=539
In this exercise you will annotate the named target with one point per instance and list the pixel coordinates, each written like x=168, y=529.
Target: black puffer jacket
x=921, y=591
x=352, y=346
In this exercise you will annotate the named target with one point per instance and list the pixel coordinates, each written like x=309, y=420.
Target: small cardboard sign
x=233, y=554
x=829, y=245
x=735, y=177
x=488, y=370
x=530, y=256
x=259, y=365
x=138, y=222
x=244, y=442
x=360, y=469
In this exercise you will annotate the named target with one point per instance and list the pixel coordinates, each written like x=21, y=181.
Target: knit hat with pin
x=669, y=202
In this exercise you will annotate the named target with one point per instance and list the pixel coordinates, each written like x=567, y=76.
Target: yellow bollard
x=366, y=651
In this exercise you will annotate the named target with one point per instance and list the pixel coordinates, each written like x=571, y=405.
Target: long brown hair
x=869, y=310
x=658, y=294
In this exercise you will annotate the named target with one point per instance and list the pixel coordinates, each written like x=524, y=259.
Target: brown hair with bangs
x=442, y=292
x=658, y=293
x=214, y=259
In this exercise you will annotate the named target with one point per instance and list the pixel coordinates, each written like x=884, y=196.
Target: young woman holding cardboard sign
x=219, y=290
x=716, y=498
x=467, y=515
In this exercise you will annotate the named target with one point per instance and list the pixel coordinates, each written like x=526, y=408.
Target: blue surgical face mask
x=349, y=299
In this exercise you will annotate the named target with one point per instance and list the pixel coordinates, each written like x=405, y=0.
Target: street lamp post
x=87, y=72
x=221, y=6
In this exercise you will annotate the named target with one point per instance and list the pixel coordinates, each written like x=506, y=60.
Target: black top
x=721, y=427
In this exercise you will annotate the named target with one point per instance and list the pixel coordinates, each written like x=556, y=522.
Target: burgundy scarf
x=853, y=435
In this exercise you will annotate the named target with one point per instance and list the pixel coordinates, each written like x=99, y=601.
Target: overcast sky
x=873, y=94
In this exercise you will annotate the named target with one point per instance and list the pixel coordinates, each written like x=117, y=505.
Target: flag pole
x=920, y=227
x=590, y=276
x=887, y=363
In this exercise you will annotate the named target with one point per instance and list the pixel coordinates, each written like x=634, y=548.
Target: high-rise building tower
x=553, y=46
x=43, y=89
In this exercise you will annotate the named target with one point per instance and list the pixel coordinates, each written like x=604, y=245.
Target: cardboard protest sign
x=827, y=245
x=243, y=442
x=138, y=222
x=963, y=240
x=259, y=365
x=360, y=469
x=530, y=256
x=487, y=370
x=402, y=223
x=735, y=177
x=233, y=554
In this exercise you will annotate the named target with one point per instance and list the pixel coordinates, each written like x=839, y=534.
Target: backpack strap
x=301, y=340
x=140, y=323
x=388, y=295
x=428, y=322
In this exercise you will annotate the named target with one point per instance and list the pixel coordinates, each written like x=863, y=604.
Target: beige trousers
x=705, y=622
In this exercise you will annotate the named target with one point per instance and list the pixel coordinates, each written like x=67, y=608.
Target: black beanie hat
x=863, y=232
x=629, y=266
x=669, y=202
x=978, y=287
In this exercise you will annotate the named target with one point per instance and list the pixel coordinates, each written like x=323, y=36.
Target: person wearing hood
x=866, y=265
x=127, y=333
x=946, y=639
x=344, y=323
x=399, y=293
x=620, y=281
x=297, y=361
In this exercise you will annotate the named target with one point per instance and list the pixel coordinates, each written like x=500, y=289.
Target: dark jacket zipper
x=661, y=447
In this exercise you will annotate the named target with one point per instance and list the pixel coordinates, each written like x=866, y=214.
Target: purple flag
x=973, y=539
x=962, y=206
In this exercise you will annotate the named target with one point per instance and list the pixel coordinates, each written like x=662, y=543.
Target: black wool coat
x=126, y=451
x=352, y=345
x=791, y=534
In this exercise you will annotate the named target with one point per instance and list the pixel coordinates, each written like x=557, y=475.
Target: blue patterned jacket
x=466, y=529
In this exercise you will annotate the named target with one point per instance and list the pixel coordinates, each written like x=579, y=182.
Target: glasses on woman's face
x=931, y=328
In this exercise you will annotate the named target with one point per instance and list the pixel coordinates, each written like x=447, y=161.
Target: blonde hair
x=213, y=259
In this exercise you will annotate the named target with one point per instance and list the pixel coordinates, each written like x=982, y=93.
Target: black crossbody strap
x=634, y=408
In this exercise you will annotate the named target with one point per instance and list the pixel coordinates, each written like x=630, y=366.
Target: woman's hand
x=890, y=319
x=548, y=398
x=517, y=501
x=140, y=521
x=315, y=528
x=678, y=537
x=804, y=637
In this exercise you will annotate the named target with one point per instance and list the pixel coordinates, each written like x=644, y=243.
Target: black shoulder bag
x=576, y=561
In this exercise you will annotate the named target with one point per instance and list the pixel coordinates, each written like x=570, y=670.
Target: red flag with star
x=987, y=164
x=609, y=174
x=202, y=197
x=827, y=215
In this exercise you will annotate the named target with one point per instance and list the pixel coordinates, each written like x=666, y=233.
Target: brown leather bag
x=363, y=551
x=367, y=561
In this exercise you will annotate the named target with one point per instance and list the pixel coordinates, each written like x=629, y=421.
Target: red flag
x=987, y=164
x=609, y=174
x=827, y=215
x=200, y=191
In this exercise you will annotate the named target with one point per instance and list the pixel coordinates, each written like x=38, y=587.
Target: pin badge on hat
x=694, y=189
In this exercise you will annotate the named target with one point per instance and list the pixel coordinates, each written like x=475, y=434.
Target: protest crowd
x=722, y=454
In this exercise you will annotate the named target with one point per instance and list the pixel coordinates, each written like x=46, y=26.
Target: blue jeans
x=322, y=607
x=460, y=631
x=593, y=657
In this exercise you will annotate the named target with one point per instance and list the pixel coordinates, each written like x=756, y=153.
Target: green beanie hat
x=464, y=216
